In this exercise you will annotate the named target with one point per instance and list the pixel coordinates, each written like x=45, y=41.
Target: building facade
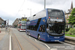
x=1, y=21
x=68, y=14
x=15, y=23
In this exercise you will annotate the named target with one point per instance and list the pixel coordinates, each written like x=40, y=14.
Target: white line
x=47, y=46
x=10, y=42
x=53, y=48
x=36, y=40
x=29, y=37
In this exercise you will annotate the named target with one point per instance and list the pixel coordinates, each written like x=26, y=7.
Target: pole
x=44, y=4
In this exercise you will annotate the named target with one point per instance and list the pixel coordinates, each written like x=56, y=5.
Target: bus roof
x=40, y=14
x=33, y=22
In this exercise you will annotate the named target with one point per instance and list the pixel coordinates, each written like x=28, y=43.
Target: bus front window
x=55, y=16
x=55, y=28
x=55, y=13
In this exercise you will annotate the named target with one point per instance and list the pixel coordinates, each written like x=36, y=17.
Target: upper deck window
x=38, y=15
x=55, y=13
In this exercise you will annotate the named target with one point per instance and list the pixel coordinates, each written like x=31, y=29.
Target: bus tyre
x=28, y=33
x=38, y=37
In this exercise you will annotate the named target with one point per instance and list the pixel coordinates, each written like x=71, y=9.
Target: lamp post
x=44, y=4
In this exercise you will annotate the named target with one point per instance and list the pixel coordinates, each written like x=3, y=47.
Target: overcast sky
x=12, y=9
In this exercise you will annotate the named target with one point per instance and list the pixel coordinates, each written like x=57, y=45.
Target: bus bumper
x=55, y=39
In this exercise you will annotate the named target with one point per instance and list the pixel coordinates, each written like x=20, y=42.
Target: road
x=16, y=40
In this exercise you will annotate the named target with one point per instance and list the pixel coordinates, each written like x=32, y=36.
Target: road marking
x=47, y=46
x=29, y=37
x=54, y=49
x=36, y=40
x=20, y=46
x=43, y=43
x=31, y=42
x=10, y=42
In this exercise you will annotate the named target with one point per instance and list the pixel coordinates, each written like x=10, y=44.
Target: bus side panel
x=42, y=22
x=33, y=33
x=42, y=34
x=27, y=31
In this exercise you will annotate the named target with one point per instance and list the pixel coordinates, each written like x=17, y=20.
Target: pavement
x=4, y=39
x=2, y=33
x=73, y=38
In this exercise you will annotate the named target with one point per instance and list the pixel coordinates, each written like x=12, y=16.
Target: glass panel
x=56, y=28
x=42, y=28
x=55, y=13
x=23, y=27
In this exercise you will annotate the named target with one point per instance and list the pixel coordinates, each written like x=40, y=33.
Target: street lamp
x=44, y=4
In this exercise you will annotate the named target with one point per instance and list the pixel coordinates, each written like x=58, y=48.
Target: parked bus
x=47, y=25
x=22, y=26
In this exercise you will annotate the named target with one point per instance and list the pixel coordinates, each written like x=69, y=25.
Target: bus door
x=42, y=32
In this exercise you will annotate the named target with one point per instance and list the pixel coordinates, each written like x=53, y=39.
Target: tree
x=15, y=26
x=72, y=17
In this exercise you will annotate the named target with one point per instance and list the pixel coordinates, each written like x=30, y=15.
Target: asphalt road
x=50, y=45
x=21, y=41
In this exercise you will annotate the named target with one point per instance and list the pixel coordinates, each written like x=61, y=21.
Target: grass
x=71, y=31
x=69, y=35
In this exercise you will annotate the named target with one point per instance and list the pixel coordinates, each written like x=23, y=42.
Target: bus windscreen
x=55, y=13
x=56, y=28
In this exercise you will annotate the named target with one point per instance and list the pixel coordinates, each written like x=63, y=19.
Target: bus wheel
x=28, y=33
x=38, y=37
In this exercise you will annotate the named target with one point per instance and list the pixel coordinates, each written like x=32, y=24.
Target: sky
x=12, y=9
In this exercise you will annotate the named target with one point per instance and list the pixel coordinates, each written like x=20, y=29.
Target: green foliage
x=71, y=31
x=72, y=17
x=74, y=25
x=15, y=26
x=67, y=29
x=69, y=35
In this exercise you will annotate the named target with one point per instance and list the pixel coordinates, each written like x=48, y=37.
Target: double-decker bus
x=47, y=25
x=22, y=26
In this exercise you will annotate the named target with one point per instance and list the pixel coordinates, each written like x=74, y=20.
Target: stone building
x=68, y=14
x=1, y=21
x=15, y=23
